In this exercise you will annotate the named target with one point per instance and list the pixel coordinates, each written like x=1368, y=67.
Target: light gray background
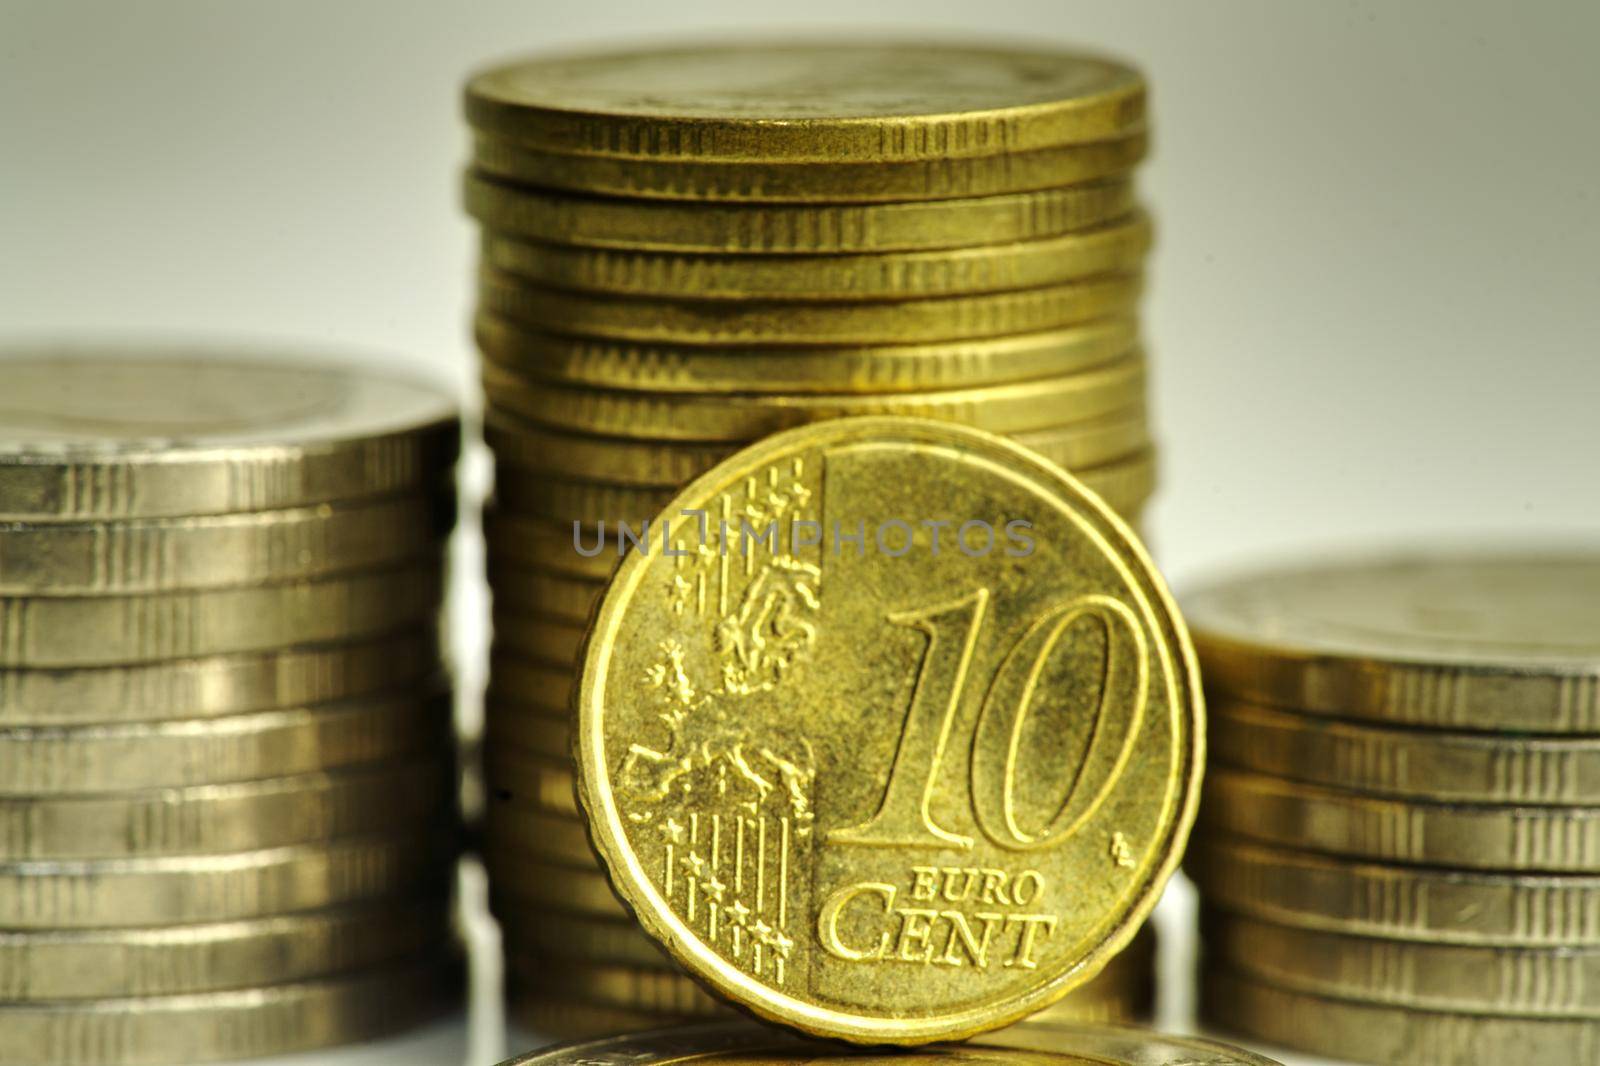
x=1373, y=307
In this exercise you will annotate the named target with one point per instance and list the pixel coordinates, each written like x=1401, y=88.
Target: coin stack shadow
x=227, y=796
x=646, y=310
x=1398, y=854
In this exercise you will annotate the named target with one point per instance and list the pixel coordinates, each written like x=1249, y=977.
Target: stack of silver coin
x=227, y=779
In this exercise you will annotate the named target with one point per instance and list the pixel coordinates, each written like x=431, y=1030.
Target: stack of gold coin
x=1400, y=860
x=685, y=250
x=226, y=773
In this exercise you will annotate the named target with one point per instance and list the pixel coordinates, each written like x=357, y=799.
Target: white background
x=1373, y=307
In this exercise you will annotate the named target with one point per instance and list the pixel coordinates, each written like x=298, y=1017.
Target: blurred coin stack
x=1399, y=859
x=226, y=759
x=686, y=250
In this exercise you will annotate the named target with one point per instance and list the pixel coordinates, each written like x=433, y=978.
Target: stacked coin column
x=1400, y=854
x=664, y=282
x=227, y=816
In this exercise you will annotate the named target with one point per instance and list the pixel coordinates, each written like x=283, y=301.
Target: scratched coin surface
x=1494, y=641
x=892, y=795
x=743, y=1044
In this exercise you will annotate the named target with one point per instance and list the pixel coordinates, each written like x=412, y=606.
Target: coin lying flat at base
x=894, y=795
x=743, y=1044
x=240, y=1024
x=152, y=434
x=1470, y=642
x=1388, y=1035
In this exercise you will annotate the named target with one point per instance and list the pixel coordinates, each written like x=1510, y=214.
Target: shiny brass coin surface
x=755, y=323
x=177, y=960
x=896, y=730
x=151, y=433
x=543, y=592
x=1447, y=977
x=526, y=779
x=743, y=1044
x=162, y=554
x=558, y=938
x=545, y=640
x=794, y=229
x=585, y=361
x=1475, y=836
x=106, y=630
x=1118, y=248
x=540, y=687
x=219, y=685
x=220, y=888
x=814, y=181
x=513, y=828
x=807, y=100
x=217, y=819
x=244, y=1023
x=562, y=501
x=1433, y=765
x=517, y=443
x=570, y=1019
x=643, y=988
x=526, y=885
x=37, y=761
x=1472, y=642
x=1388, y=1035
x=1013, y=408
x=1372, y=899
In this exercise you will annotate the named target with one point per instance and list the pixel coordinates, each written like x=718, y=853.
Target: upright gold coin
x=147, y=433
x=1493, y=641
x=807, y=101
x=743, y=1044
x=812, y=181
x=754, y=323
x=871, y=369
x=1117, y=248
x=877, y=791
x=795, y=229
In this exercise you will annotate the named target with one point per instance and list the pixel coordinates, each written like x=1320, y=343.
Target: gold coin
x=517, y=829
x=642, y=988
x=221, y=888
x=1433, y=765
x=621, y=461
x=733, y=760
x=216, y=819
x=1478, y=836
x=104, y=630
x=1394, y=1036
x=1123, y=484
x=177, y=960
x=559, y=938
x=164, y=554
x=527, y=780
x=1371, y=899
x=239, y=1024
x=1446, y=977
x=1013, y=408
x=743, y=1044
x=531, y=591
x=1118, y=248
x=569, y=1019
x=541, y=687
x=131, y=756
x=1474, y=642
x=516, y=540
x=150, y=434
x=888, y=368
x=527, y=727
x=807, y=101
x=814, y=181
x=794, y=229
x=1122, y=993
x=547, y=641
x=521, y=884
x=755, y=323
